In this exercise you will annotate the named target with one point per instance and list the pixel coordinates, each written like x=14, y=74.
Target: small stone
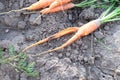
x=68, y=54
x=60, y=55
x=106, y=28
x=21, y=25
x=1, y=6
x=99, y=35
x=70, y=17
x=35, y=19
x=7, y=30
x=75, y=52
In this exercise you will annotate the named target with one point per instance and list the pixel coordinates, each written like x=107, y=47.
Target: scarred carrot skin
x=54, y=36
x=58, y=3
x=83, y=31
x=58, y=8
x=40, y=4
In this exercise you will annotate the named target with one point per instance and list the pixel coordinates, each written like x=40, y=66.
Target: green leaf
x=22, y=62
x=30, y=67
x=1, y=53
x=33, y=74
x=22, y=55
x=11, y=50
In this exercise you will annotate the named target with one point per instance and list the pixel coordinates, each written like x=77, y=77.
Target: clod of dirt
x=117, y=71
x=87, y=14
x=10, y=20
x=106, y=28
x=21, y=25
x=34, y=19
x=32, y=35
x=1, y=6
x=4, y=43
x=117, y=39
x=7, y=77
x=62, y=69
x=23, y=77
x=99, y=35
x=105, y=77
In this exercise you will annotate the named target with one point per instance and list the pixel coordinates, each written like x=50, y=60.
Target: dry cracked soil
x=94, y=57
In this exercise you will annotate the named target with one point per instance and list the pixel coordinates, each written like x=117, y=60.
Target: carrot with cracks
x=67, y=6
x=88, y=28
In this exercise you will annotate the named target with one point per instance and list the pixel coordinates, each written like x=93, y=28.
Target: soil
x=94, y=57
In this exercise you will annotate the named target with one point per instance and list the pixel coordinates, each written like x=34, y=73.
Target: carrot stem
x=85, y=3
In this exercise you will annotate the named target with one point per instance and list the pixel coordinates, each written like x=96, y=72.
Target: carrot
x=66, y=6
x=40, y=4
x=82, y=31
x=57, y=35
x=58, y=3
x=35, y=6
x=58, y=8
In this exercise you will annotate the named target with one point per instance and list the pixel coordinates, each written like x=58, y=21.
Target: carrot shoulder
x=58, y=3
x=83, y=31
x=58, y=8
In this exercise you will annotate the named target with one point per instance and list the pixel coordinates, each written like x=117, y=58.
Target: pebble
x=21, y=25
x=70, y=17
x=68, y=54
x=1, y=6
x=33, y=17
x=75, y=52
x=117, y=71
x=60, y=55
x=9, y=20
x=7, y=30
x=99, y=35
x=106, y=28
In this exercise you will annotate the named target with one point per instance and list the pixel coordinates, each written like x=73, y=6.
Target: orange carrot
x=40, y=4
x=35, y=6
x=58, y=8
x=83, y=31
x=58, y=3
x=57, y=35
